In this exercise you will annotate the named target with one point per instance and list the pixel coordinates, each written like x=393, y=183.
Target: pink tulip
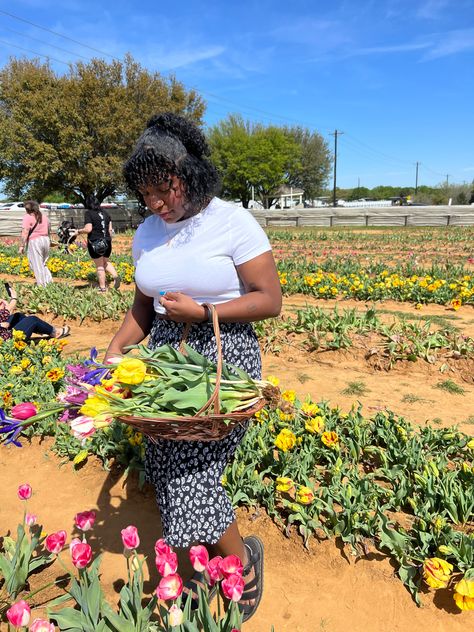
x=175, y=616
x=213, y=569
x=19, y=614
x=199, y=557
x=55, y=542
x=23, y=411
x=167, y=563
x=233, y=587
x=82, y=427
x=130, y=538
x=84, y=520
x=41, y=625
x=161, y=547
x=231, y=565
x=170, y=587
x=24, y=491
x=30, y=519
x=81, y=554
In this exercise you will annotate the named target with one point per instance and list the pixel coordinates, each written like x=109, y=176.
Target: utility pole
x=447, y=180
x=335, y=134
x=416, y=180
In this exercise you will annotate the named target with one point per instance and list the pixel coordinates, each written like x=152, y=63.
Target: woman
x=98, y=228
x=35, y=241
x=29, y=325
x=194, y=249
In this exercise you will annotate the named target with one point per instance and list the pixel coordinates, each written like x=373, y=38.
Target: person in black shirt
x=98, y=228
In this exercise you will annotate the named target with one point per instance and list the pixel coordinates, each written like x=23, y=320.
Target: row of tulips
x=223, y=573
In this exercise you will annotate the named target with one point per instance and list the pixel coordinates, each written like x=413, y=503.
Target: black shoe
x=253, y=589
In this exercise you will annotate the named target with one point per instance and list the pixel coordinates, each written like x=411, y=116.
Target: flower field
x=359, y=478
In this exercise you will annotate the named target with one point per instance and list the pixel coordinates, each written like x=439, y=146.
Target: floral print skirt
x=194, y=506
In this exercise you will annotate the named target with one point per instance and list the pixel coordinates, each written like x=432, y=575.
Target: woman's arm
x=136, y=325
x=84, y=231
x=261, y=300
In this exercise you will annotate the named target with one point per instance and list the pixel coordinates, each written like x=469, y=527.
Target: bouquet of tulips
x=149, y=384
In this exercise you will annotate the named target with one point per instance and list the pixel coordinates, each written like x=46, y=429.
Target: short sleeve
x=88, y=217
x=247, y=238
x=25, y=221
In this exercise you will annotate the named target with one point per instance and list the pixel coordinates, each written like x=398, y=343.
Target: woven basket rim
x=187, y=419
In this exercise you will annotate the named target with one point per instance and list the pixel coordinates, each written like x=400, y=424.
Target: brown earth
x=324, y=589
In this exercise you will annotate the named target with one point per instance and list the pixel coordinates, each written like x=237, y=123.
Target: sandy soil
x=324, y=589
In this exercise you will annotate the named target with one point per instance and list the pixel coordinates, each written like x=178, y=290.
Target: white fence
x=122, y=218
x=369, y=216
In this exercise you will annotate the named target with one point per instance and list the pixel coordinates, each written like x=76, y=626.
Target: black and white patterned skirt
x=194, y=506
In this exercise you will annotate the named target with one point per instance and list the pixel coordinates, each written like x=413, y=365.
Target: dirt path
x=322, y=590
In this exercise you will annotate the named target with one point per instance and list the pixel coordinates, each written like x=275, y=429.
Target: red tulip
x=81, y=554
x=199, y=557
x=170, y=587
x=84, y=520
x=231, y=565
x=23, y=411
x=55, y=542
x=130, y=537
x=41, y=625
x=213, y=569
x=233, y=586
x=167, y=563
x=24, y=491
x=30, y=519
x=161, y=547
x=19, y=614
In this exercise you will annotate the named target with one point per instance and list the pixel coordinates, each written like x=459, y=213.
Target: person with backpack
x=98, y=228
x=35, y=241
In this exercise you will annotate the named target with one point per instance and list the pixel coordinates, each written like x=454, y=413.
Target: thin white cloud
x=396, y=48
x=432, y=9
x=451, y=43
x=171, y=60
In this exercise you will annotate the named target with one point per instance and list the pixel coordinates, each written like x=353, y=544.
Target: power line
x=33, y=52
x=37, y=39
x=43, y=28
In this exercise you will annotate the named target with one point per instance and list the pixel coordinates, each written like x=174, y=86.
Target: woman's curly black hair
x=172, y=145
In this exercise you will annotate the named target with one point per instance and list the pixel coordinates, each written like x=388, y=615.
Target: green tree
x=249, y=155
x=71, y=133
x=312, y=171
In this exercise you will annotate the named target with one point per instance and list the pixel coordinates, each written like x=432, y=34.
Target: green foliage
x=71, y=133
x=312, y=172
x=450, y=387
x=21, y=557
x=249, y=155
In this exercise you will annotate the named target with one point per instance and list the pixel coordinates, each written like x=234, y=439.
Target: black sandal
x=253, y=589
x=198, y=580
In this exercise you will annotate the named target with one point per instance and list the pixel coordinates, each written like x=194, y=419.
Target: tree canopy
x=71, y=133
x=266, y=158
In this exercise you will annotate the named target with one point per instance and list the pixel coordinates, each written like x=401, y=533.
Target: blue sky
x=394, y=75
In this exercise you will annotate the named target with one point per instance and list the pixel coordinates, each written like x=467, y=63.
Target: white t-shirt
x=198, y=255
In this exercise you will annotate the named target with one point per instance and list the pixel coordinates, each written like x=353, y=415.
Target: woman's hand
x=182, y=308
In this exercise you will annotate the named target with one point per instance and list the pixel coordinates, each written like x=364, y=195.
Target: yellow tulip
x=437, y=572
x=314, y=425
x=464, y=594
x=286, y=440
x=284, y=484
x=130, y=371
x=94, y=406
x=330, y=439
x=304, y=495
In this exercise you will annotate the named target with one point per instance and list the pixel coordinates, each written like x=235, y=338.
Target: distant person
x=35, y=241
x=99, y=231
x=11, y=321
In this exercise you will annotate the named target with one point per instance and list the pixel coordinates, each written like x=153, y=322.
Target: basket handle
x=214, y=398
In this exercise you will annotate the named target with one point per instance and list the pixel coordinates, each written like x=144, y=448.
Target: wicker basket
x=208, y=424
